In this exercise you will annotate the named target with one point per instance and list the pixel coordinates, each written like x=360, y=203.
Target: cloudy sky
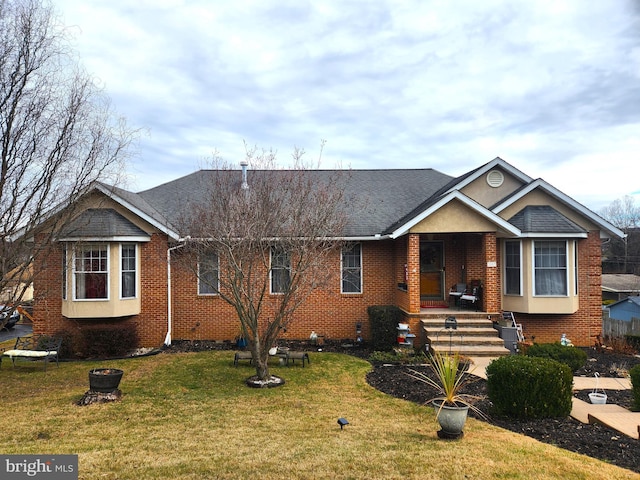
x=552, y=87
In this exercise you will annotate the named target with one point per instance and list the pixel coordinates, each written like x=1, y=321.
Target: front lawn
x=190, y=416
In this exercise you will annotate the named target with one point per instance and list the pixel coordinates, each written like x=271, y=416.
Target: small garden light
x=342, y=422
x=451, y=323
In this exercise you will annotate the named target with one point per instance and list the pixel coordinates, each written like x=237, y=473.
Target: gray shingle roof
x=138, y=202
x=376, y=199
x=377, y=202
x=544, y=219
x=101, y=223
x=621, y=282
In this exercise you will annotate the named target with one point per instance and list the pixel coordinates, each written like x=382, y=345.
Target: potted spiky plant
x=451, y=405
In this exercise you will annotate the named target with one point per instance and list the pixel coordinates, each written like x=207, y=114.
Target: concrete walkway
x=612, y=416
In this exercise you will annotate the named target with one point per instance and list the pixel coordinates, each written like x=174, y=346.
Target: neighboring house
x=625, y=309
x=411, y=235
x=18, y=283
x=618, y=286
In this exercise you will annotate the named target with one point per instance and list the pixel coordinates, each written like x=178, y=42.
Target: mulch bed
x=594, y=440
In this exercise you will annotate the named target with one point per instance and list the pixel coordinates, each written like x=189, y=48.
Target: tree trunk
x=262, y=367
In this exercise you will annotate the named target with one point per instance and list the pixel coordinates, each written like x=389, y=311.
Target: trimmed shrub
x=572, y=356
x=384, y=320
x=529, y=387
x=69, y=347
x=634, y=373
x=108, y=342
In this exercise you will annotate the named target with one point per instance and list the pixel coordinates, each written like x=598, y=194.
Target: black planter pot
x=104, y=380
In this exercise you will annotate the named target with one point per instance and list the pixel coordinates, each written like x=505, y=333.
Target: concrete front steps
x=474, y=337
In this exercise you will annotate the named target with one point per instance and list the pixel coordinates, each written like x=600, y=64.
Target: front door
x=431, y=271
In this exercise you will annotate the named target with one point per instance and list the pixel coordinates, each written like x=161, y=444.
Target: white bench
x=35, y=347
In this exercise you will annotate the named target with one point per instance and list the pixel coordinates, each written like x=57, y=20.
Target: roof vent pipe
x=244, y=164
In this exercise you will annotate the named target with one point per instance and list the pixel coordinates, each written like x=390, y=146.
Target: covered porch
x=452, y=275
x=440, y=268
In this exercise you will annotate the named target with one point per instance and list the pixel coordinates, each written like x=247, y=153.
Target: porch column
x=413, y=267
x=492, y=286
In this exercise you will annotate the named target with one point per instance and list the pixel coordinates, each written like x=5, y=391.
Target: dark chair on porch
x=472, y=296
x=456, y=292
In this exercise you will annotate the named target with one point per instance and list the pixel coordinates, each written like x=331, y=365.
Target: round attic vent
x=495, y=178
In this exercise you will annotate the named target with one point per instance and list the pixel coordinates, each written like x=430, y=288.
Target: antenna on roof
x=244, y=164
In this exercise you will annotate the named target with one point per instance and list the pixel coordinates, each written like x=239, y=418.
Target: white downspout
x=167, y=339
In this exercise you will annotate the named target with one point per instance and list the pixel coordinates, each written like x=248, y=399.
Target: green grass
x=190, y=416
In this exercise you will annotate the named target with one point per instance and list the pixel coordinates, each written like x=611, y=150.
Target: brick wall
x=151, y=323
x=47, y=290
x=491, y=292
x=401, y=297
x=413, y=269
x=455, y=259
x=327, y=312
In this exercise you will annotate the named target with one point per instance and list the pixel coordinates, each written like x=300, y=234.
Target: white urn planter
x=451, y=419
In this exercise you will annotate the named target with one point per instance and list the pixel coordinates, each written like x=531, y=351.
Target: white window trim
x=361, y=291
x=504, y=269
x=575, y=268
x=533, y=268
x=65, y=272
x=209, y=294
x=137, y=271
x=73, y=274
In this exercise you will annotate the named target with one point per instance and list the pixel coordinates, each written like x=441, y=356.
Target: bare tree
x=269, y=237
x=57, y=135
x=625, y=253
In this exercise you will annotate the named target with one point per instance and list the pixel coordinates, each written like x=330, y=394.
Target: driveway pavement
x=20, y=330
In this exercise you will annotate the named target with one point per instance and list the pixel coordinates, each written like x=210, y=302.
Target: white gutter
x=167, y=338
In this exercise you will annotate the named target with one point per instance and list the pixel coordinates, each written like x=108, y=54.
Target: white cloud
x=549, y=86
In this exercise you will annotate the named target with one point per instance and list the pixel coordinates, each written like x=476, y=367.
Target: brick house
x=530, y=248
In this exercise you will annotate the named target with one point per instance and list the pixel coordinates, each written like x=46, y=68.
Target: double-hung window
x=550, y=267
x=512, y=267
x=208, y=274
x=352, y=268
x=280, y=270
x=128, y=270
x=91, y=271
